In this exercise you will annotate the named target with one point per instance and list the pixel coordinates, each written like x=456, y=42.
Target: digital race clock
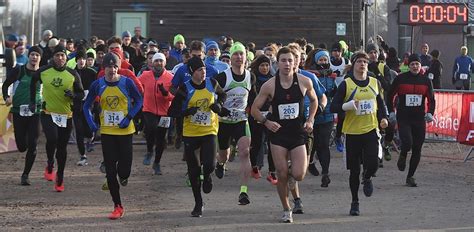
x=433, y=13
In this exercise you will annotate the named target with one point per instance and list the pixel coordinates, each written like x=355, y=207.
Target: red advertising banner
x=447, y=114
x=466, y=129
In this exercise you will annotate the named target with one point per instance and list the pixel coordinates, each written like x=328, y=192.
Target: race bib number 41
x=113, y=118
x=288, y=111
x=201, y=118
x=59, y=119
x=413, y=100
x=366, y=107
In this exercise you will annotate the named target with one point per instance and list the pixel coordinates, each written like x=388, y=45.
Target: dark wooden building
x=260, y=21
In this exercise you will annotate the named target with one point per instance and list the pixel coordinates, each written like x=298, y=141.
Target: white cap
x=158, y=56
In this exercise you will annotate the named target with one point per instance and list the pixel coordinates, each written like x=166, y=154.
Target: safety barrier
x=447, y=116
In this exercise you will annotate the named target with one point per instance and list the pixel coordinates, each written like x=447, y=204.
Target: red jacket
x=153, y=100
x=127, y=73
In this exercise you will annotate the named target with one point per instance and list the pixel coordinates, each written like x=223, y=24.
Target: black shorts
x=227, y=131
x=289, y=142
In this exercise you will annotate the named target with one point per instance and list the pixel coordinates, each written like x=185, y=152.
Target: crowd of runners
x=222, y=98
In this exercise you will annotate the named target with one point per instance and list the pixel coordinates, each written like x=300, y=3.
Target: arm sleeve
x=11, y=78
x=391, y=94
x=178, y=77
x=221, y=95
x=86, y=108
x=77, y=86
x=381, y=108
x=176, y=107
x=338, y=100
x=136, y=96
x=221, y=79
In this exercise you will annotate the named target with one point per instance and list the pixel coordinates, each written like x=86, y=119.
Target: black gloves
x=69, y=93
x=162, y=89
x=190, y=111
x=216, y=108
x=224, y=112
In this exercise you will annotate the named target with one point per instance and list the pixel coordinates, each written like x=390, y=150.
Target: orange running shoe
x=117, y=213
x=49, y=176
x=272, y=178
x=256, y=173
x=59, y=187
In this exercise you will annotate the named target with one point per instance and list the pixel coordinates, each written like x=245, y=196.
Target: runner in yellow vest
x=61, y=85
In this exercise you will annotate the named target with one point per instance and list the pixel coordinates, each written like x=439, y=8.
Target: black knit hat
x=35, y=49
x=59, y=48
x=194, y=64
x=336, y=47
x=110, y=59
x=414, y=57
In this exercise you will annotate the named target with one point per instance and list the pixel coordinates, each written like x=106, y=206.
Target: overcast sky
x=26, y=4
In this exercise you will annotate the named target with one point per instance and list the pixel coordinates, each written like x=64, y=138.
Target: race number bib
x=430, y=76
x=201, y=118
x=288, y=111
x=413, y=100
x=236, y=115
x=113, y=118
x=366, y=107
x=164, y=122
x=463, y=76
x=25, y=111
x=86, y=92
x=59, y=119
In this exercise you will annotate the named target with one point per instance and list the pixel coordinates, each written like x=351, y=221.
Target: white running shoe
x=82, y=162
x=287, y=216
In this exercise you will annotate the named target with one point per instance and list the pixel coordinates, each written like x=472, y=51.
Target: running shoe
x=272, y=178
x=354, y=209
x=157, y=169
x=59, y=185
x=197, y=211
x=339, y=145
x=380, y=163
x=313, y=170
x=368, y=187
x=244, y=199
x=105, y=186
x=411, y=182
x=123, y=182
x=49, y=174
x=298, y=206
x=287, y=216
x=102, y=167
x=220, y=170
x=256, y=173
x=83, y=161
x=325, y=180
x=207, y=184
x=386, y=154
x=25, y=180
x=402, y=162
x=147, y=158
x=117, y=213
